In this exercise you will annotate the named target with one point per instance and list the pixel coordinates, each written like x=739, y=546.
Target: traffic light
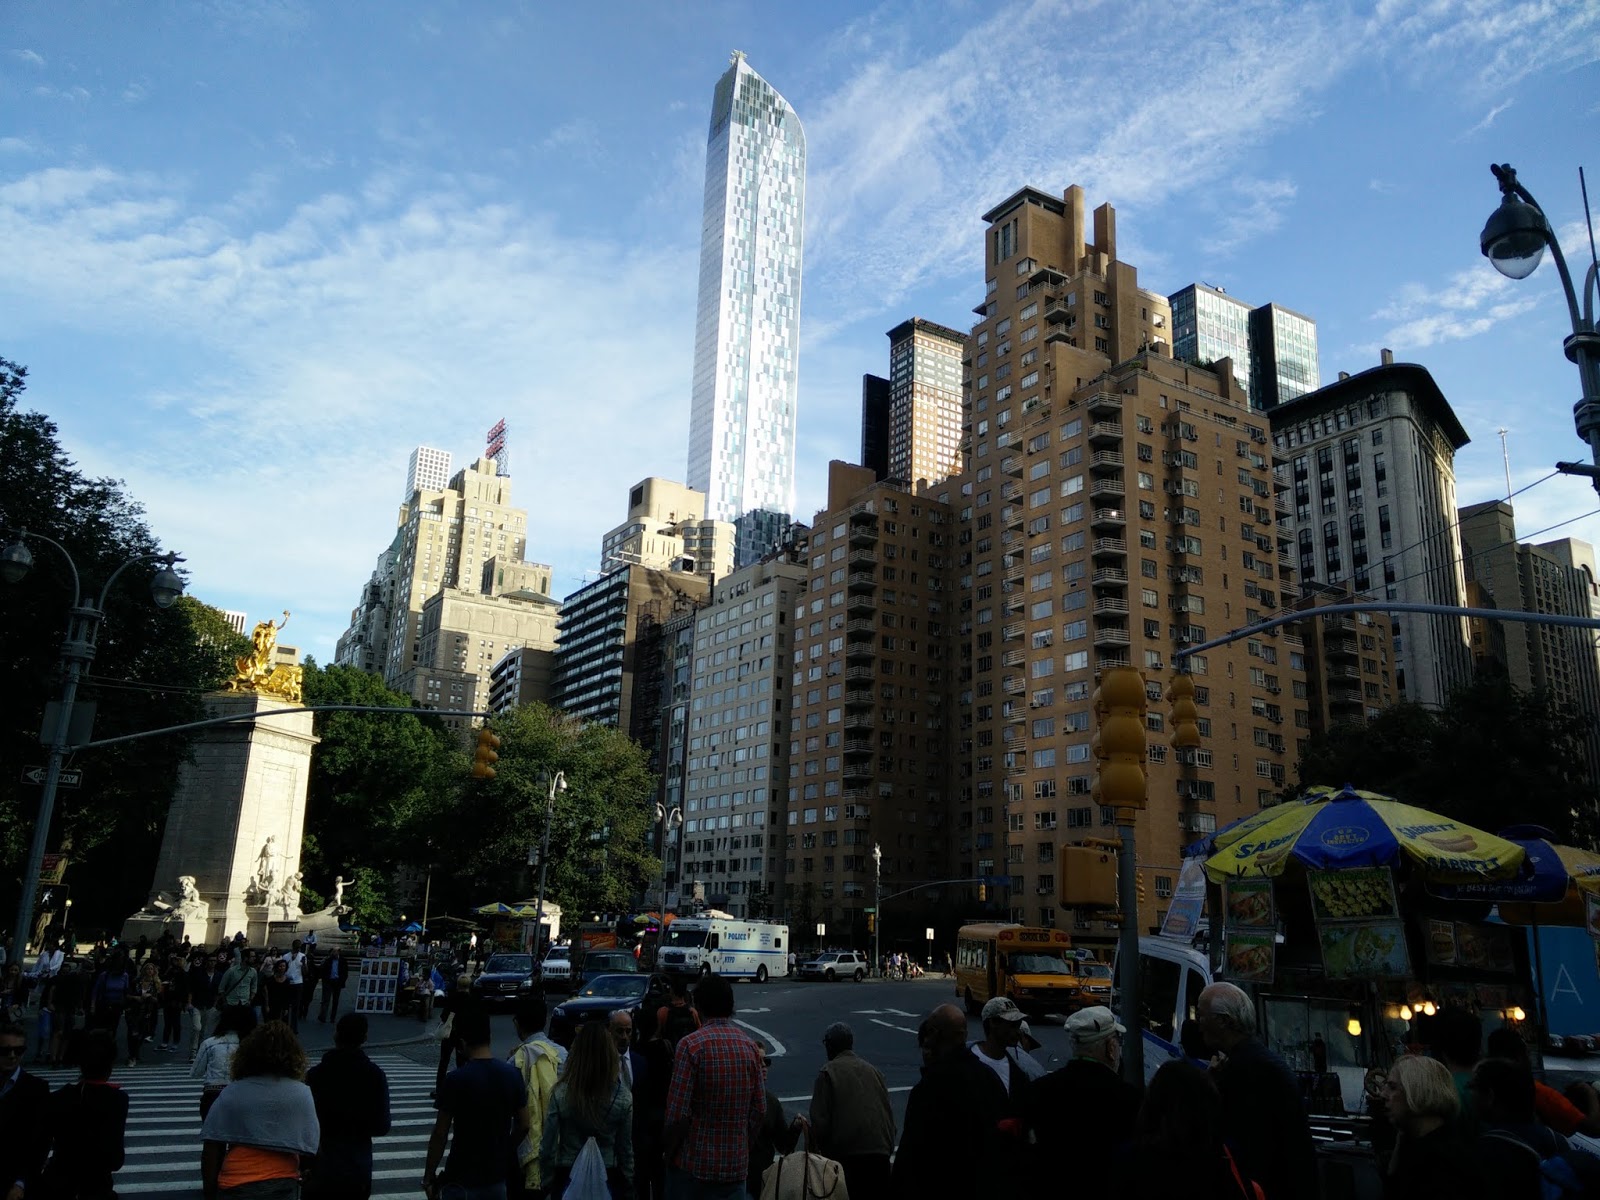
x=872, y=922
x=983, y=893
x=1185, y=717
x=1138, y=880
x=484, y=758
x=1119, y=743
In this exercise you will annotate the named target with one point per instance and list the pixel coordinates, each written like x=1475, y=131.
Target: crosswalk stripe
x=163, y=1137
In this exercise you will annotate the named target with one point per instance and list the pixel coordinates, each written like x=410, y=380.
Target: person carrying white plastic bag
x=588, y=1178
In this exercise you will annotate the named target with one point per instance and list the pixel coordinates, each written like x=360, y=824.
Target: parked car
x=556, y=970
x=503, y=978
x=606, y=962
x=599, y=998
x=835, y=964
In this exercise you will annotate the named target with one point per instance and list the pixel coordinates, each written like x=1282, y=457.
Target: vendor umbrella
x=496, y=909
x=1546, y=891
x=1336, y=828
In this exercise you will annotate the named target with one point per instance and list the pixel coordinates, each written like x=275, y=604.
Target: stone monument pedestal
x=235, y=824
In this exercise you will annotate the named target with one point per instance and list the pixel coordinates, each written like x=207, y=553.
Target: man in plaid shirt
x=716, y=1103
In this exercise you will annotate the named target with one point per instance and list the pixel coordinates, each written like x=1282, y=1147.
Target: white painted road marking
x=892, y=1025
x=777, y=1051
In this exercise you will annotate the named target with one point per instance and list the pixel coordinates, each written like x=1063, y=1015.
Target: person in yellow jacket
x=541, y=1062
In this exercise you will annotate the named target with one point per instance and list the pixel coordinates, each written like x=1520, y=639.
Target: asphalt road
x=788, y=1017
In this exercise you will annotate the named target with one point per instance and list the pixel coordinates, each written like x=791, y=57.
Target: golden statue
x=257, y=672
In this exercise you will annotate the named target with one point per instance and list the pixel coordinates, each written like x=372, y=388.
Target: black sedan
x=602, y=997
x=504, y=978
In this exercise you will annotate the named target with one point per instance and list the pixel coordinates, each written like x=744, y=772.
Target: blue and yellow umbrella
x=1331, y=828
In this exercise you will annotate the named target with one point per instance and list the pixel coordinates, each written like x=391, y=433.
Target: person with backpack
x=677, y=1017
x=540, y=1062
x=1517, y=1156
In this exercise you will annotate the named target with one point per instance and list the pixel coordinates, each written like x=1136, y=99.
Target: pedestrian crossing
x=163, y=1142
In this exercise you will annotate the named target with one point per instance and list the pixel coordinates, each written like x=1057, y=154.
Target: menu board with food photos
x=1355, y=894
x=1250, y=939
x=1475, y=947
x=1364, y=950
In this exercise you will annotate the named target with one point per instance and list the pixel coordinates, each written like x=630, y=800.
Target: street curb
x=420, y=1039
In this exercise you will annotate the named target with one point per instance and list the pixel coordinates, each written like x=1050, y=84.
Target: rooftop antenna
x=1505, y=457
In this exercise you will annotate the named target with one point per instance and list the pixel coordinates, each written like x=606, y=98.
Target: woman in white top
x=214, y=1062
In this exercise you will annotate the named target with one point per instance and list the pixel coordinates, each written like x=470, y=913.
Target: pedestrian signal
x=484, y=758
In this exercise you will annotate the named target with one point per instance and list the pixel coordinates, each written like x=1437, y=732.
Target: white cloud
x=32, y=57
x=1488, y=120
x=1256, y=208
x=334, y=341
x=1469, y=303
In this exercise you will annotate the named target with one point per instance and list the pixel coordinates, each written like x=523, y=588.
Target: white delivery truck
x=726, y=946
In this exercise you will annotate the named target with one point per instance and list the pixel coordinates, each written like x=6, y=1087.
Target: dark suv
x=606, y=962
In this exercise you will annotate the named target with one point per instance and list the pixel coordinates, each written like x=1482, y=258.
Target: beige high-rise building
x=1538, y=579
x=1349, y=675
x=452, y=594
x=924, y=401
x=737, y=761
x=872, y=742
x=667, y=530
x=1116, y=507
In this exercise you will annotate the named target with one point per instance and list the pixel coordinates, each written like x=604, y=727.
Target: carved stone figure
x=339, y=882
x=289, y=895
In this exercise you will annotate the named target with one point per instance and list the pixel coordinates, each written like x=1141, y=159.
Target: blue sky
x=255, y=252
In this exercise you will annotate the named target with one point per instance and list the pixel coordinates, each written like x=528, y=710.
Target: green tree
x=374, y=778
x=483, y=838
x=1492, y=756
x=151, y=668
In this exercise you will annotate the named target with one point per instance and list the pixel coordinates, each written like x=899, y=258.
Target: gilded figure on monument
x=257, y=672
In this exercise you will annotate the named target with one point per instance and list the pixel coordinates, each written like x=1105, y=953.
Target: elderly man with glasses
x=24, y=1140
x=1083, y=1111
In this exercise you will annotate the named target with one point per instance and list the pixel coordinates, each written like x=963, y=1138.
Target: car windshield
x=558, y=954
x=686, y=937
x=628, y=986
x=509, y=964
x=611, y=961
x=1094, y=970
x=1039, y=964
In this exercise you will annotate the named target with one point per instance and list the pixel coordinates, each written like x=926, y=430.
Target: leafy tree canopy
x=1491, y=757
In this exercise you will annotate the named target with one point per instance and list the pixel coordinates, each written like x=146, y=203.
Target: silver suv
x=835, y=964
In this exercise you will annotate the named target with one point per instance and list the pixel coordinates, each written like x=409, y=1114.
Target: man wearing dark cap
x=851, y=1120
x=1084, y=1111
x=352, y=1097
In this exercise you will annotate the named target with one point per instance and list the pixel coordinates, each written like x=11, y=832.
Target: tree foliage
x=481, y=836
x=1492, y=756
x=150, y=670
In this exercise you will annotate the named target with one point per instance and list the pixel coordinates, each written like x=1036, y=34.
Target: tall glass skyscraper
x=1274, y=349
x=747, y=326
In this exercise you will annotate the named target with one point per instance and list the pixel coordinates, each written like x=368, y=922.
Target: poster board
x=377, y=985
x=1358, y=924
x=1250, y=938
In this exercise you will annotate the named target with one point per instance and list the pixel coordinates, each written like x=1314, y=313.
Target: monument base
x=151, y=926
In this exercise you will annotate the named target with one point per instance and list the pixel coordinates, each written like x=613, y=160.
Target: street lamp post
x=1514, y=240
x=877, y=905
x=667, y=819
x=558, y=783
x=77, y=652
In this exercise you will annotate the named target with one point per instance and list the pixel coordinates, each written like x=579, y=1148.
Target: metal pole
x=877, y=905
x=1128, y=954
x=427, y=895
x=558, y=782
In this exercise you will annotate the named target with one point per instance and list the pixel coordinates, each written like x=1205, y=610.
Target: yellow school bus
x=1034, y=966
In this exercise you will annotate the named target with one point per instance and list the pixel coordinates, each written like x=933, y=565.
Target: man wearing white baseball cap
x=1084, y=1110
x=1002, y=1031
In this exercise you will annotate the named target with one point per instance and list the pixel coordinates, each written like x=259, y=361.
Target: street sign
x=37, y=774
x=870, y=910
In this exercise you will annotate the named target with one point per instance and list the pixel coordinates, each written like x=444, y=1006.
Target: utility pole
x=1505, y=457
x=877, y=904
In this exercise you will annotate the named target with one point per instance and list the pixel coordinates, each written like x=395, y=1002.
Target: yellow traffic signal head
x=1185, y=716
x=1119, y=742
x=485, y=756
x=983, y=892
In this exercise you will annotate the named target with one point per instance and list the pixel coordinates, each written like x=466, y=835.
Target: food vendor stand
x=1327, y=918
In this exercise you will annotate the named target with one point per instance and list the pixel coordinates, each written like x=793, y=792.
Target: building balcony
x=860, y=601
x=859, y=674
x=1108, y=487
x=1104, y=402
x=862, y=581
x=1105, y=432
x=1111, y=635
x=1108, y=519
x=863, y=558
x=1013, y=658
x=1012, y=605
x=1059, y=312
x=1014, y=713
x=1109, y=577
x=858, y=721
x=858, y=650
x=863, y=529
x=858, y=697
x=1061, y=335
x=1339, y=647
x=1106, y=662
x=1013, y=632
x=1010, y=491
x=1342, y=668
x=1109, y=547
x=1011, y=517
x=858, y=745
x=861, y=625
x=1011, y=466
x=1012, y=574
x=857, y=768
x=857, y=795
x=1013, y=685
x=1105, y=460
x=1110, y=604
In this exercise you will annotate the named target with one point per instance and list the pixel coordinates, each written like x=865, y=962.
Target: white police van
x=737, y=949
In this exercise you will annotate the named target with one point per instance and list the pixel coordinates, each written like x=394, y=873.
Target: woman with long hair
x=144, y=1002
x=213, y=1064
x=1430, y=1158
x=263, y=1124
x=590, y=1101
x=1178, y=1147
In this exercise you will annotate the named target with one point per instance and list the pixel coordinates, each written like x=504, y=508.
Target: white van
x=737, y=949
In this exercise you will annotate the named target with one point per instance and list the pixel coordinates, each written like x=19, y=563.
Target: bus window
x=1158, y=994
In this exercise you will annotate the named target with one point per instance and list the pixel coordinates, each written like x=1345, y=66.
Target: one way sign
x=37, y=774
